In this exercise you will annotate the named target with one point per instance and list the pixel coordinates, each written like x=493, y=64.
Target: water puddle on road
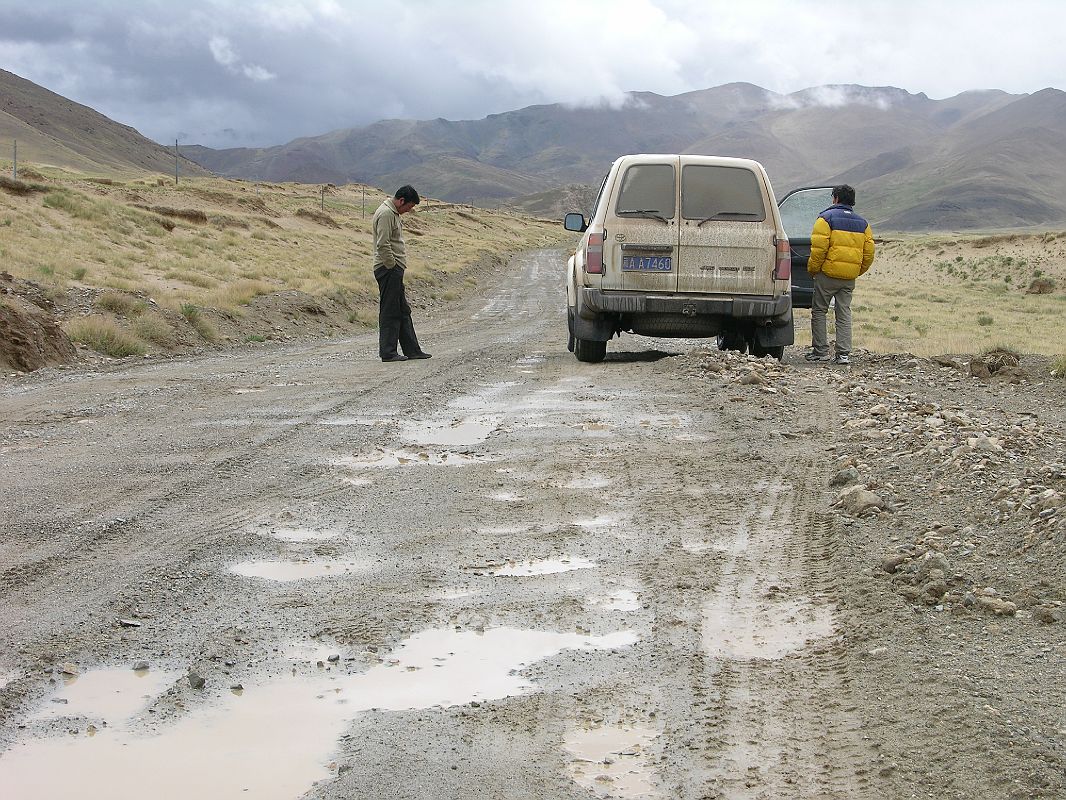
x=522, y=569
x=736, y=626
x=468, y=431
x=389, y=459
x=288, y=571
x=108, y=694
x=613, y=761
x=274, y=740
x=300, y=534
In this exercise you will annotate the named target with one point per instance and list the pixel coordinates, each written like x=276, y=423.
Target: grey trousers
x=826, y=289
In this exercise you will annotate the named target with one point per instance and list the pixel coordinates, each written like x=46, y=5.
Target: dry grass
x=152, y=327
x=216, y=244
x=105, y=336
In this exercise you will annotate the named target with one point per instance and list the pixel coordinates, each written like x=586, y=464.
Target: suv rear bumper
x=739, y=306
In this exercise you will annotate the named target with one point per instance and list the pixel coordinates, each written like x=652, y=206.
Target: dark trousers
x=394, y=315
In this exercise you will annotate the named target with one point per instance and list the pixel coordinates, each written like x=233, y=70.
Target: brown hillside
x=62, y=133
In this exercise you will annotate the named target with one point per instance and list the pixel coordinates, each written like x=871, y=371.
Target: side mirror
x=575, y=222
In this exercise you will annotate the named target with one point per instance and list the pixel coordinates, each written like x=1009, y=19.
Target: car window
x=801, y=208
x=648, y=188
x=725, y=193
x=599, y=197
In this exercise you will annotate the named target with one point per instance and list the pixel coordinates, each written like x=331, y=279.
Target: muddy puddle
x=466, y=431
x=519, y=569
x=288, y=571
x=613, y=761
x=390, y=459
x=273, y=740
x=110, y=695
x=750, y=623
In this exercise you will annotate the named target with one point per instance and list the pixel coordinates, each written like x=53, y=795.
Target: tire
x=774, y=351
x=732, y=340
x=590, y=352
x=570, y=328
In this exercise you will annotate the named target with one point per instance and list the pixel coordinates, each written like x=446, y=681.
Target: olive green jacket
x=389, y=249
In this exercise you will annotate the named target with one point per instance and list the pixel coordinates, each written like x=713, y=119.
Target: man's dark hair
x=408, y=195
x=844, y=194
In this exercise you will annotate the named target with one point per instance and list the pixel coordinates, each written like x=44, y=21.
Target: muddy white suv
x=681, y=246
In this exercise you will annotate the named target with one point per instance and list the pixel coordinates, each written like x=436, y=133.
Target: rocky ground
x=502, y=573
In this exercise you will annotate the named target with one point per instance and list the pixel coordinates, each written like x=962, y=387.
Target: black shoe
x=421, y=355
x=396, y=357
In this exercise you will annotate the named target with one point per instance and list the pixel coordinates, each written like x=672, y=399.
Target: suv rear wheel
x=590, y=352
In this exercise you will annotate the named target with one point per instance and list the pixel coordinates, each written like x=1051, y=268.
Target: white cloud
x=222, y=51
x=304, y=67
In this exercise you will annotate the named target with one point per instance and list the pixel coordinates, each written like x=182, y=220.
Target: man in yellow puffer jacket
x=842, y=249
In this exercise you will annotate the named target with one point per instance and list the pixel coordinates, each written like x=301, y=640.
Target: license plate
x=647, y=263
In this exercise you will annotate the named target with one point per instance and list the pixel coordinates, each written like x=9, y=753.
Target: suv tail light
x=594, y=254
x=783, y=270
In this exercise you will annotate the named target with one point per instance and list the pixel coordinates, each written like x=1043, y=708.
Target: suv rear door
x=726, y=231
x=640, y=229
x=799, y=209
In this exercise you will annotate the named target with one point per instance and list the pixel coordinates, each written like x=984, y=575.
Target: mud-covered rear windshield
x=721, y=193
x=647, y=189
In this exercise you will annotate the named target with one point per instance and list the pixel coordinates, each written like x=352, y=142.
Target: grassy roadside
x=143, y=265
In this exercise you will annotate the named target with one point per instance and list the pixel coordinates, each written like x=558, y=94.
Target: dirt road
x=295, y=571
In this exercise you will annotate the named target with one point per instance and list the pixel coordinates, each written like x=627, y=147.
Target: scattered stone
x=993, y=605
x=333, y=659
x=858, y=500
x=196, y=681
x=129, y=623
x=69, y=669
x=753, y=378
x=1047, y=614
x=140, y=666
x=846, y=477
x=893, y=563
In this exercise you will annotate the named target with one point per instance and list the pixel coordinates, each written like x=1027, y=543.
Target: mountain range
x=981, y=159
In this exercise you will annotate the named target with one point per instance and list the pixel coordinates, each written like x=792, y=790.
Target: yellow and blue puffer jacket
x=842, y=245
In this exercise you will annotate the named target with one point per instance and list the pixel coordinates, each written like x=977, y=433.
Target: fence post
x=175, y=162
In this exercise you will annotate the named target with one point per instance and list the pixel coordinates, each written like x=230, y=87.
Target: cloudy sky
x=263, y=72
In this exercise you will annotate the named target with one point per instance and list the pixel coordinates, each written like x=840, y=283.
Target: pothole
x=469, y=431
x=287, y=571
x=111, y=695
x=273, y=740
x=543, y=567
x=613, y=761
x=389, y=459
x=742, y=625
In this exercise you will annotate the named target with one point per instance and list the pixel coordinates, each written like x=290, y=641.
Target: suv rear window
x=721, y=193
x=648, y=188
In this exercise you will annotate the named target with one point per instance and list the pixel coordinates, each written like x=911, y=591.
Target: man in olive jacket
x=390, y=260
x=842, y=249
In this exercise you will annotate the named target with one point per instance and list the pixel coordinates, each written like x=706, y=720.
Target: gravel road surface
x=293, y=571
